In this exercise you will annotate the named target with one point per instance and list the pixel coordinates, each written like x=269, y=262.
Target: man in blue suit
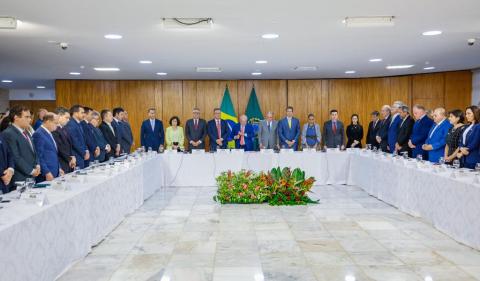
x=151, y=132
x=218, y=131
x=90, y=140
x=74, y=129
x=123, y=135
x=420, y=131
x=437, y=137
x=394, y=126
x=47, y=148
x=243, y=134
x=7, y=166
x=289, y=130
x=382, y=133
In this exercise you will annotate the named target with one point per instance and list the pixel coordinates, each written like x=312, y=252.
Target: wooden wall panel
x=400, y=89
x=428, y=89
x=35, y=105
x=271, y=94
x=306, y=97
x=458, y=89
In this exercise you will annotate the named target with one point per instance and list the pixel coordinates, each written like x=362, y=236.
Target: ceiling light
x=270, y=36
x=113, y=36
x=106, y=69
x=305, y=68
x=256, y=73
x=8, y=23
x=74, y=73
x=432, y=33
x=429, y=68
x=350, y=72
x=400, y=66
x=261, y=61
x=7, y=81
x=40, y=87
x=369, y=21
x=161, y=73
x=208, y=69
x=145, y=61
x=375, y=60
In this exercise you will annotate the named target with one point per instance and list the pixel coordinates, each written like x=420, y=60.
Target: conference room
x=240, y=140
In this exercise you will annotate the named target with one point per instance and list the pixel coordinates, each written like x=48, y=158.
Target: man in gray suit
x=21, y=144
x=267, y=133
x=333, y=131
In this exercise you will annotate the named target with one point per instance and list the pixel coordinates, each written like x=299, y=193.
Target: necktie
x=25, y=134
x=219, y=129
x=269, y=126
x=242, y=137
x=195, y=124
x=289, y=123
x=334, y=128
x=152, y=122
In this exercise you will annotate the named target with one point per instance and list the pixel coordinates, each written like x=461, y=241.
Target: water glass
x=456, y=164
x=477, y=168
x=419, y=157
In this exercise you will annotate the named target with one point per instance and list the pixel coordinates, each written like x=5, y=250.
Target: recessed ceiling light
x=161, y=73
x=429, y=68
x=261, y=61
x=270, y=36
x=208, y=69
x=432, y=33
x=145, y=61
x=400, y=66
x=305, y=68
x=7, y=81
x=106, y=69
x=74, y=73
x=350, y=72
x=256, y=73
x=375, y=60
x=113, y=36
x=40, y=87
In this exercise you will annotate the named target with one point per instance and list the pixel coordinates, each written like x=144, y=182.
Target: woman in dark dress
x=354, y=133
x=456, y=118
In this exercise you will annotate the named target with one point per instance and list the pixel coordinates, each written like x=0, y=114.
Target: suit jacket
x=75, y=131
x=318, y=137
x=47, y=153
x=64, y=148
x=268, y=137
x=383, y=133
x=129, y=136
x=152, y=137
x=23, y=151
x=89, y=140
x=198, y=133
x=393, y=132
x=372, y=133
x=420, y=134
x=122, y=135
x=37, y=124
x=404, y=132
x=330, y=139
x=472, y=142
x=437, y=137
x=213, y=134
x=249, y=136
x=110, y=138
x=286, y=133
x=102, y=143
x=6, y=161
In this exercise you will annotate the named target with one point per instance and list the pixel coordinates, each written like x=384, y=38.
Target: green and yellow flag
x=228, y=114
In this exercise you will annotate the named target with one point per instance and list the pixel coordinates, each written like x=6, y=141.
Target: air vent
x=305, y=68
x=369, y=21
x=209, y=69
x=8, y=23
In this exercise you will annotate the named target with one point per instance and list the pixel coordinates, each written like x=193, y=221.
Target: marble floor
x=181, y=234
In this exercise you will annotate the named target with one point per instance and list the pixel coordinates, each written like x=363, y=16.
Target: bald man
x=243, y=134
x=436, y=140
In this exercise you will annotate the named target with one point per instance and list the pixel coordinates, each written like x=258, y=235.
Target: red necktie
x=334, y=128
x=28, y=139
x=242, y=137
x=219, y=130
x=195, y=124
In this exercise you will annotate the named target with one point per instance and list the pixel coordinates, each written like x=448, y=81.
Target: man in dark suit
x=373, y=127
x=196, y=131
x=128, y=130
x=243, y=134
x=288, y=130
x=404, y=131
x=121, y=130
x=333, y=131
x=218, y=131
x=382, y=133
x=7, y=166
x=394, y=125
x=47, y=149
x=77, y=136
x=109, y=133
x=92, y=145
x=21, y=145
x=151, y=132
x=105, y=148
x=420, y=131
x=64, y=143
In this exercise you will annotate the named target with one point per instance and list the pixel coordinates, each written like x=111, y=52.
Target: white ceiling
x=311, y=34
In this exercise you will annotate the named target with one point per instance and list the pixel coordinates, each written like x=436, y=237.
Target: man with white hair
x=437, y=137
x=382, y=133
x=243, y=134
x=267, y=133
x=394, y=125
x=420, y=131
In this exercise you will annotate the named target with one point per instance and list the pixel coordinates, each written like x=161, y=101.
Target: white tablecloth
x=452, y=205
x=201, y=169
x=39, y=243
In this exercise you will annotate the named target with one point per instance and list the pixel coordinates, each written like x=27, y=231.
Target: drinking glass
x=456, y=164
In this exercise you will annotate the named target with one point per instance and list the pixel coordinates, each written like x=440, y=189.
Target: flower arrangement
x=277, y=187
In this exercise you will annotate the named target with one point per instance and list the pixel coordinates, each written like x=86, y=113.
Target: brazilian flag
x=254, y=114
x=228, y=114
